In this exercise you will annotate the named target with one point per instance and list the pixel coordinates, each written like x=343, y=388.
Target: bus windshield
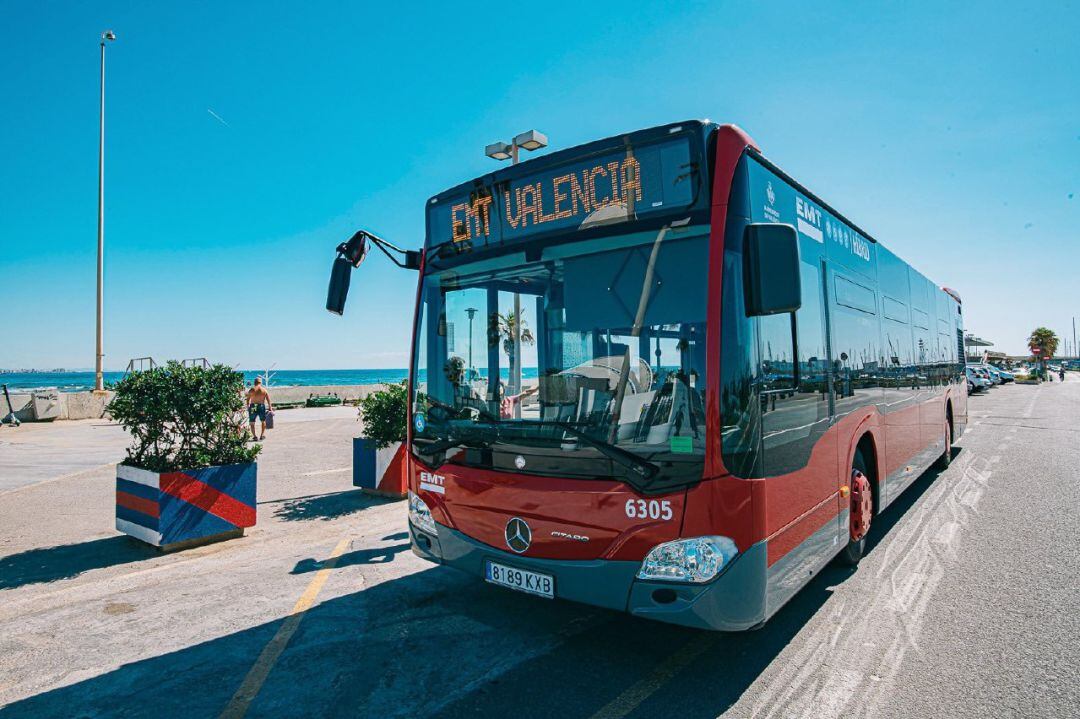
x=586, y=360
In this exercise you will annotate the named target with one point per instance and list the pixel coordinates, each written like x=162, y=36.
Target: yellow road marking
x=630, y=699
x=253, y=682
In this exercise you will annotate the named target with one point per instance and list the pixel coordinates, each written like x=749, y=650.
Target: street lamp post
x=471, y=312
x=99, y=386
x=530, y=140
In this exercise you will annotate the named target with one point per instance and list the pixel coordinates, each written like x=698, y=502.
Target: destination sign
x=634, y=182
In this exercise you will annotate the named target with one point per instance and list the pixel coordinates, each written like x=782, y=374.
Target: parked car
x=995, y=373
x=1006, y=375
x=984, y=373
x=976, y=381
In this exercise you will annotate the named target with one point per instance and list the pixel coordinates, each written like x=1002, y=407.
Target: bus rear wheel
x=860, y=514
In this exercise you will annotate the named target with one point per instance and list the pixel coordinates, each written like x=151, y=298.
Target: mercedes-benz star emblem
x=518, y=535
x=519, y=462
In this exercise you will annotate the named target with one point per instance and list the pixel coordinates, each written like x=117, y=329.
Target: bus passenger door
x=855, y=338
x=800, y=453
x=830, y=388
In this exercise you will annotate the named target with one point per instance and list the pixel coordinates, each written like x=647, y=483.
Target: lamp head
x=498, y=151
x=531, y=140
x=108, y=35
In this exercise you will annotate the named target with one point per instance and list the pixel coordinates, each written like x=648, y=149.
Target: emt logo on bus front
x=580, y=192
x=433, y=482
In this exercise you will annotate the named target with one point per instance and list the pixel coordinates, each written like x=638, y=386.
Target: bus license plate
x=542, y=585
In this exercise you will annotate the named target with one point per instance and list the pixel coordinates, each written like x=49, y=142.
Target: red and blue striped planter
x=379, y=471
x=189, y=507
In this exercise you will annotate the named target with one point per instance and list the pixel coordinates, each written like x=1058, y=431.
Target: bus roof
x=703, y=126
x=757, y=155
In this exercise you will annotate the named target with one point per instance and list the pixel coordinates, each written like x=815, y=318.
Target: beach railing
x=139, y=364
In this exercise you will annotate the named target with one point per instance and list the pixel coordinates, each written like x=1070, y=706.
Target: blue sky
x=950, y=133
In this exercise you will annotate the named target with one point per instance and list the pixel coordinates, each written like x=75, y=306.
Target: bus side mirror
x=771, y=269
x=340, y=274
x=350, y=255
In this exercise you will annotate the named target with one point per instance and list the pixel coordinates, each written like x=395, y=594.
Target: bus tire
x=945, y=459
x=861, y=493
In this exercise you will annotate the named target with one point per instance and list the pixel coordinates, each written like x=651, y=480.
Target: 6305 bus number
x=648, y=509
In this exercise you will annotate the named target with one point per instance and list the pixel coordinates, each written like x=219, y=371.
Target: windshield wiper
x=639, y=466
x=458, y=411
x=441, y=445
x=437, y=446
x=643, y=469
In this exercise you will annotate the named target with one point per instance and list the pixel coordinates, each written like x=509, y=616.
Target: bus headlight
x=420, y=515
x=696, y=560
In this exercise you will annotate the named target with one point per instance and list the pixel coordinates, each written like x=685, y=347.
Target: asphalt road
x=967, y=605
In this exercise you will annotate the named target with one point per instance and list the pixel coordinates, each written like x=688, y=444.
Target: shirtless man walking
x=258, y=403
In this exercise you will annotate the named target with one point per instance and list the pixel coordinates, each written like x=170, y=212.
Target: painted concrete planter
x=177, y=509
x=379, y=471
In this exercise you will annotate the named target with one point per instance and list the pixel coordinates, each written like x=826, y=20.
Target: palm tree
x=506, y=326
x=1045, y=341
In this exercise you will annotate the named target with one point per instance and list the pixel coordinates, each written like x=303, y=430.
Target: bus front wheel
x=860, y=514
x=945, y=459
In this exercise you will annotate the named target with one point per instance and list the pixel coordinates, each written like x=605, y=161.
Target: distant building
x=975, y=348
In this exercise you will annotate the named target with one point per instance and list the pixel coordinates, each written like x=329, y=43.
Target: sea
x=81, y=381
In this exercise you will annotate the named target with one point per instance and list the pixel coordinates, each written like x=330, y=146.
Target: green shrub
x=386, y=415
x=183, y=417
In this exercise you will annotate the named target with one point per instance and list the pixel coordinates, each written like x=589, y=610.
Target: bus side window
x=793, y=345
x=778, y=358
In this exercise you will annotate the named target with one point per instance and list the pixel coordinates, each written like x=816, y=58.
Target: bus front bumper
x=734, y=601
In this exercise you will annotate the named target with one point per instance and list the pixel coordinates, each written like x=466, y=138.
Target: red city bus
x=654, y=373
